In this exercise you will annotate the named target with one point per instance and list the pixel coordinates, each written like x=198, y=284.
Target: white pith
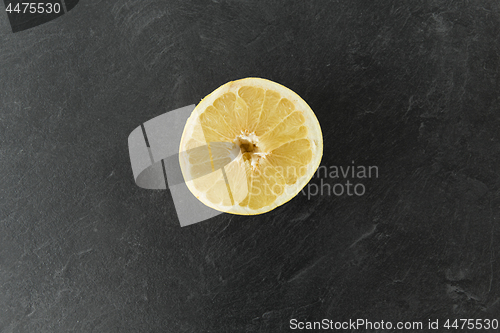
x=250, y=138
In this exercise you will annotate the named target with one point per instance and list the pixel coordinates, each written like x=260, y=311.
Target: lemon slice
x=249, y=147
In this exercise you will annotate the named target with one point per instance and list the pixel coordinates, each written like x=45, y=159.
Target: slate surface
x=412, y=88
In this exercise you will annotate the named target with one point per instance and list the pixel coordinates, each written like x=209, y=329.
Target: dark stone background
x=411, y=87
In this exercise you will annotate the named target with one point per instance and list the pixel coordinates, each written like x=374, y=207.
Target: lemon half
x=249, y=147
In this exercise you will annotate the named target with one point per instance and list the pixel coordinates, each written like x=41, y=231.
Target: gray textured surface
x=413, y=89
